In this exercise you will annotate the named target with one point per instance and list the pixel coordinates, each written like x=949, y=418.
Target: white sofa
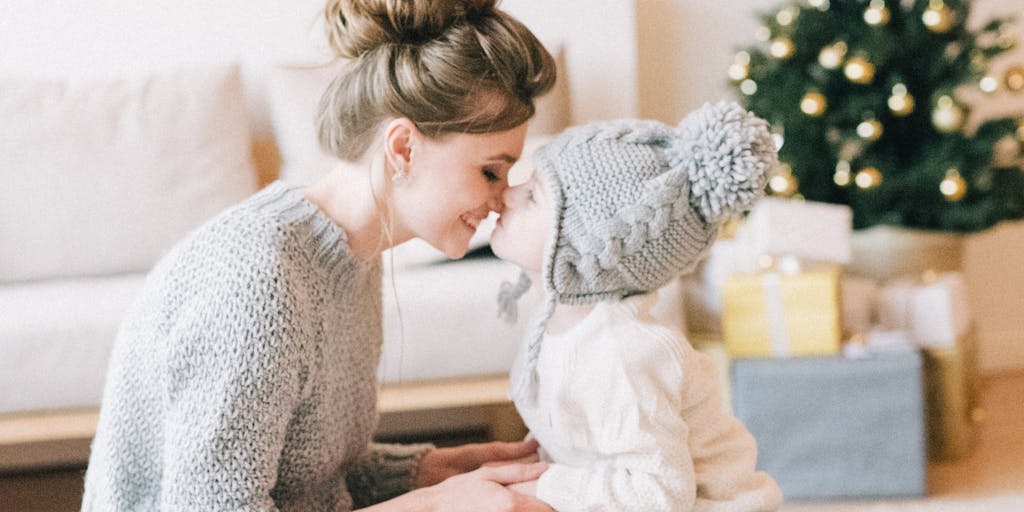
x=122, y=129
x=139, y=161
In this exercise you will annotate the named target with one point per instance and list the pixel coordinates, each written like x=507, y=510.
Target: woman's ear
x=398, y=138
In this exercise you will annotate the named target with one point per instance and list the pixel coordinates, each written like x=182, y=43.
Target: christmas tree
x=865, y=98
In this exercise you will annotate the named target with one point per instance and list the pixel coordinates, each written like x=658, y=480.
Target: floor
x=991, y=479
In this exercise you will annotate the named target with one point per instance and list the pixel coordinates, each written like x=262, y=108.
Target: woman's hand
x=489, y=489
x=440, y=464
x=528, y=488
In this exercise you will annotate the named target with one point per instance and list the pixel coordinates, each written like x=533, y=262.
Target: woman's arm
x=233, y=374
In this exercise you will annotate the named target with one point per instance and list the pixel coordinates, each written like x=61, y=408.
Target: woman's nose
x=499, y=196
x=497, y=202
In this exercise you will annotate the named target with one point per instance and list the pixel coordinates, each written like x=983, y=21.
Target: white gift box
x=939, y=311
x=893, y=304
x=808, y=230
x=934, y=310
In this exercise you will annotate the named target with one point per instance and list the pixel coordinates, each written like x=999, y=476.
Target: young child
x=624, y=408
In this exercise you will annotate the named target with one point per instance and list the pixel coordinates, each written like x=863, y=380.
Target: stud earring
x=400, y=177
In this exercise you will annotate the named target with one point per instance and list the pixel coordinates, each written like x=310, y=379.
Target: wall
x=105, y=37
x=684, y=49
x=600, y=43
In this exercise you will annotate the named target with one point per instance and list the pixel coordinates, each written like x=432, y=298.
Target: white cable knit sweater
x=630, y=415
x=244, y=376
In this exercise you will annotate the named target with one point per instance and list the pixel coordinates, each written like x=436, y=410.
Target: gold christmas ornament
x=988, y=84
x=868, y=178
x=877, y=13
x=947, y=116
x=953, y=186
x=748, y=87
x=778, y=135
x=859, y=70
x=831, y=56
x=781, y=48
x=938, y=18
x=786, y=16
x=1014, y=78
x=813, y=104
x=901, y=103
x=870, y=129
x=738, y=72
x=783, y=183
x=842, y=175
x=763, y=34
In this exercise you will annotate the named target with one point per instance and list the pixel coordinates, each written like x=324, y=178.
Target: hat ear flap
x=726, y=154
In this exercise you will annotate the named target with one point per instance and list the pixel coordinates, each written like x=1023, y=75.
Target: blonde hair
x=447, y=65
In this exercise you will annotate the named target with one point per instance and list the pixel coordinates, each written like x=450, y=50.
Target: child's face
x=525, y=225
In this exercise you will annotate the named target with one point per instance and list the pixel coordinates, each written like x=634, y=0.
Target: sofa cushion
x=55, y=339
x=102, y=176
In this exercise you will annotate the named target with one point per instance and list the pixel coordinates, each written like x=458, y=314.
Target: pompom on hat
x=638, y=203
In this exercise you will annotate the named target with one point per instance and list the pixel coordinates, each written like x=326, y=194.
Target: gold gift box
x=952, y=397
x=772, y=314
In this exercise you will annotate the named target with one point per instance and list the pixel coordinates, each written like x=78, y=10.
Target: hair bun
x=355, y=27
x=728, y=153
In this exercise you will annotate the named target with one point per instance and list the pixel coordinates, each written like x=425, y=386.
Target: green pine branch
x=913, y=155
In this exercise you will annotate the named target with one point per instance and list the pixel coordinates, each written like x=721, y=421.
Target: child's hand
x=528, y=488
x=529, y=459
x=442, y=463
x=483, y=490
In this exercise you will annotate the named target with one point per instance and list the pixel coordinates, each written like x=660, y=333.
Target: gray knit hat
x=638, y=203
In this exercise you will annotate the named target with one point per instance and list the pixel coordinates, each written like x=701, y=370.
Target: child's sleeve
x=629, y=396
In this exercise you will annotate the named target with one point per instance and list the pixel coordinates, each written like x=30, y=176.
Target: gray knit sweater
x=244, y=376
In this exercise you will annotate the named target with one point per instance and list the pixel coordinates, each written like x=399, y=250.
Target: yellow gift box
x=781, y=315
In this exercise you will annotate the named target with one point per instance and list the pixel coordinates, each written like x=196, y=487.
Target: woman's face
x=454, y=182
x=525, y=225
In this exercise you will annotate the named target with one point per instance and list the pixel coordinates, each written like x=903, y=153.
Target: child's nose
x=508, y=194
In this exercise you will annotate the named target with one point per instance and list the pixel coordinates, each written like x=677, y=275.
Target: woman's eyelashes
x=491, y=175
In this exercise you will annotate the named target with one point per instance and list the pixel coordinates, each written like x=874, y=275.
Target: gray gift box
x=833, y=427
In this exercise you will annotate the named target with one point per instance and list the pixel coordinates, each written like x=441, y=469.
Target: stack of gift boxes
x=847, y=383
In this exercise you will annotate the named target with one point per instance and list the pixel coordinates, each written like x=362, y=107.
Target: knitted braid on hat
x=720, y=155
x=724, y=152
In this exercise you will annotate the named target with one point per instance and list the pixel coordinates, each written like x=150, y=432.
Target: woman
x=244, y=377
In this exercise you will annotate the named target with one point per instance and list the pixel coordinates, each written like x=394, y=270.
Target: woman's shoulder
x=272, y=226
